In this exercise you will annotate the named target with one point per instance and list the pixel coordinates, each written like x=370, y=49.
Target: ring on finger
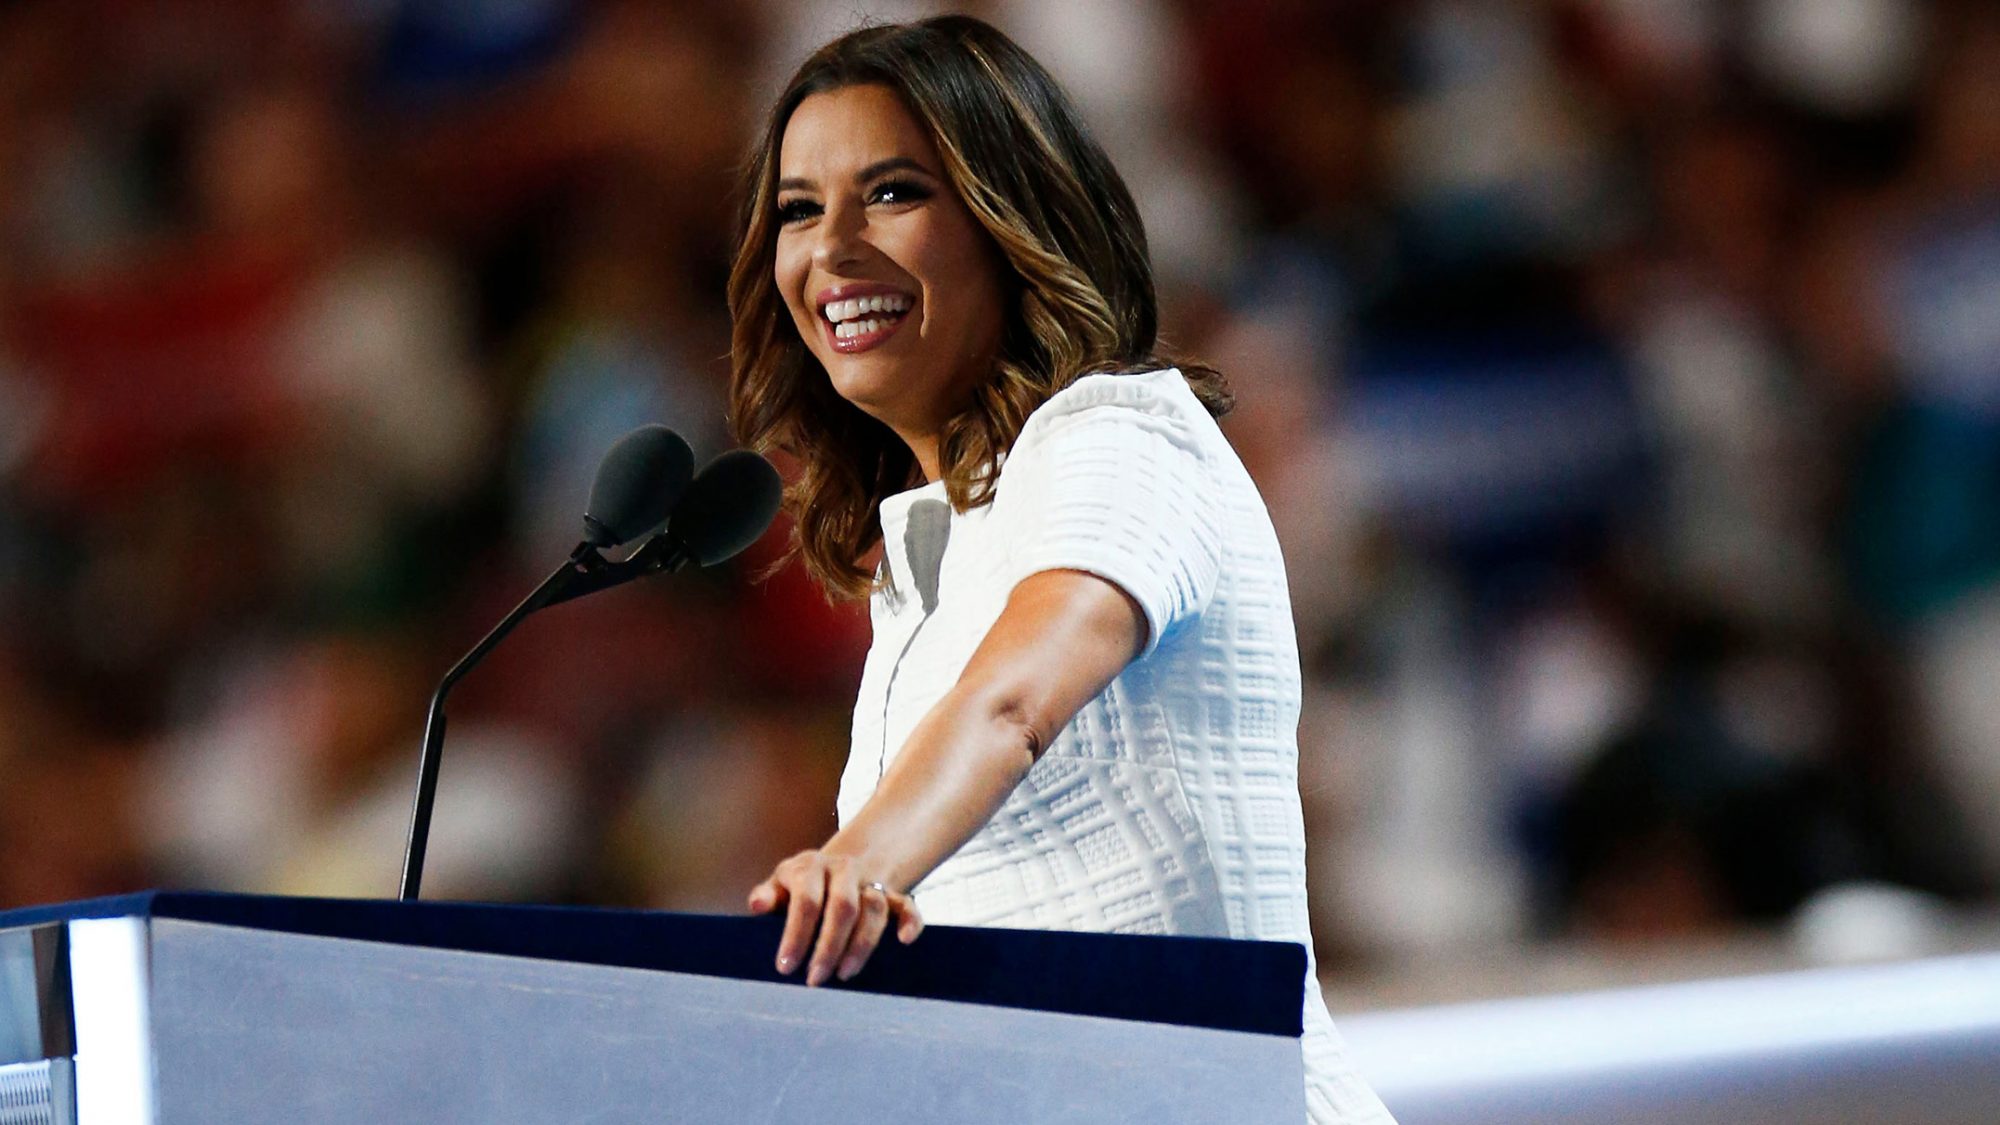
x=877, y=886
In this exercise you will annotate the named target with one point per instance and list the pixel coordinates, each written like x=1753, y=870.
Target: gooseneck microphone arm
x=638, y=487
x=660, y=554
x=644, y=484
x=582, y=563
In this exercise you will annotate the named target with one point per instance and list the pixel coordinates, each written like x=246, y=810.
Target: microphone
x=730, y=504
x=729, y=507
x=639, y=484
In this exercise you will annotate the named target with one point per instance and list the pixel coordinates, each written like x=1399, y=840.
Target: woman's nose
x=841, y=239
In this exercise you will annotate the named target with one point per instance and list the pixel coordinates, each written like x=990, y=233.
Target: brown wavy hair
x=1079, y=283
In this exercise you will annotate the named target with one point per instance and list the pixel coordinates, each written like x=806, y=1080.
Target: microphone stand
x=582, y=561
x=585, y=572
x=660, y=553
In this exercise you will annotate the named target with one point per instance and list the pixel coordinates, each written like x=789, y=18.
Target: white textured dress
x=1170, y=804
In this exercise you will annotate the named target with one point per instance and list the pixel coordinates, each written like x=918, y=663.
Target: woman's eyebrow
x=873, y=172
x=882, y=168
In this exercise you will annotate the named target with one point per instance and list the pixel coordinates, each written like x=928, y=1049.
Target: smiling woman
x=872, y=236
x=1055, y=221
x=1080, y=709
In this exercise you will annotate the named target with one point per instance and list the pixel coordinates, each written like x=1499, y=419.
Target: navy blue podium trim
x=1252, y=986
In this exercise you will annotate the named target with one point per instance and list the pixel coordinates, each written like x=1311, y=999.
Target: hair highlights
x=1079, y=281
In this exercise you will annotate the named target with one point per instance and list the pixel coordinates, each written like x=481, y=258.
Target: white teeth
x=847, y=330
x=839, y=311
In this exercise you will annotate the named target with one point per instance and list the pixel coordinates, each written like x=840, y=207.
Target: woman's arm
x=1062, y=637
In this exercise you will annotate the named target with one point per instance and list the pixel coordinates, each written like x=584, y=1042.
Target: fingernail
x=847, y=971
x=786, y=965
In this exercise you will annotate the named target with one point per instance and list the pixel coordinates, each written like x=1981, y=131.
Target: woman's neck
x=924, y=447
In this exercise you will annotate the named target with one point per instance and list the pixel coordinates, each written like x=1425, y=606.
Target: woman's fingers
x=911, y=921
x=836, y=923
x=825, y=897
x=867, y=931
x=767, y=896
x=806, y=883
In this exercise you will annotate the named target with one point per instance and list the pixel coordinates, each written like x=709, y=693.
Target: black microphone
x=639, y=484
x=727, y=508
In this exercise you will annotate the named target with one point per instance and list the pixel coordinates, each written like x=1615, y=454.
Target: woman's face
x=892, y=284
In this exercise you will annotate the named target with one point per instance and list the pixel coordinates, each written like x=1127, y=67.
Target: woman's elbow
x=1017, y=730
x=1025, y=733
x=1063, y=636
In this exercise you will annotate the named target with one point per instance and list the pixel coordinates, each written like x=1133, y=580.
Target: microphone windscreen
x=729, y=505
x=638, y=483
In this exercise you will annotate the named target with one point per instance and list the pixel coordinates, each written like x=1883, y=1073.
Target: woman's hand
x=829, y=892
x=1062, y=636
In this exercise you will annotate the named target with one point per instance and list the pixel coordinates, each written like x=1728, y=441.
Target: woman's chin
x=900, y=392
x=867, y=383
x=871, y=396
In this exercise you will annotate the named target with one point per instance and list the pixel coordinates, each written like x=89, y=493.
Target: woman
x=1081, y=704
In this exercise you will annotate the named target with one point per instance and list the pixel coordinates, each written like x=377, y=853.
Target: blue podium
x=171, y=1008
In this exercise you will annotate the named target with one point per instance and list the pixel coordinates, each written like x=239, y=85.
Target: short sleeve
x=1112, y=477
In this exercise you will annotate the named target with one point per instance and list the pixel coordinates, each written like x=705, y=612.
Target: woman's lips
x=886, y=325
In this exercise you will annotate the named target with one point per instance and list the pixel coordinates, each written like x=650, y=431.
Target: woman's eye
x=795, y=210
x=897, y=191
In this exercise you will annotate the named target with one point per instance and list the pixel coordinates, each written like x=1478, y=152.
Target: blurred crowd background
x=1623, y=377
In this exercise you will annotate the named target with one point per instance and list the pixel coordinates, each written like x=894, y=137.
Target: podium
x=178, y=1008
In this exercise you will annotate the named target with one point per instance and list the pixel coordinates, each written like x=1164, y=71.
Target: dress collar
x=895, y=513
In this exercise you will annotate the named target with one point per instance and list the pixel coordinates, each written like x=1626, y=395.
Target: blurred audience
x=1624, y=379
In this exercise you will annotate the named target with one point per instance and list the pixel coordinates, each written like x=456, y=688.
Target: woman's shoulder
x=1159, y=400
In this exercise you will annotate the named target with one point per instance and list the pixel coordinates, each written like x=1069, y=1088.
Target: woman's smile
x=892, y=284
x=856, y=318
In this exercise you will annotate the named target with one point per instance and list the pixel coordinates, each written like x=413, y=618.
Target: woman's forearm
x=1062, y=637
x=953, y=774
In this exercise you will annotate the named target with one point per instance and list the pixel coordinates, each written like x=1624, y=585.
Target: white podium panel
x=189, y=1010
